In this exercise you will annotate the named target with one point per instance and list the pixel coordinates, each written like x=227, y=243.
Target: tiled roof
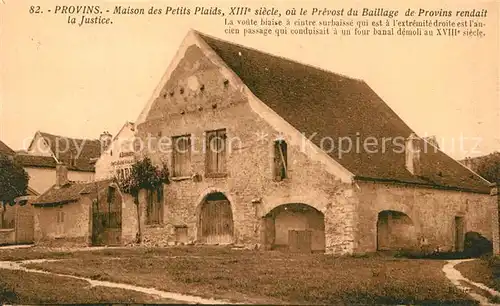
x=70, y=192
x=5, y=149
x=332, y=105
x=28, y=160
x=40, y=161
x=66, y=150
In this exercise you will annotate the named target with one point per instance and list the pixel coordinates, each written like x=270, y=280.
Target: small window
x=136, y=145
x=60, y=216
x=181, y=155
x=280, y=160
x=215, y=159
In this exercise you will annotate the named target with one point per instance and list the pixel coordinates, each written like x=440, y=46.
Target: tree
x=144, y=175
x=489, y=167
x=13, y=181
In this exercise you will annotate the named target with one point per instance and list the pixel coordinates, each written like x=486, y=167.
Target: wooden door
x=60, y=223
x=107, y=220
x=216, y=222
x=383, y=231
x=300, y=241
x=459, y=234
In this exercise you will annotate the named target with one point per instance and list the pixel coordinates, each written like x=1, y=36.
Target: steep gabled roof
x=65, y=150
x=70, y=192
x=5, y=149
x=332, y=106
x=128, y=125
x=32, y=192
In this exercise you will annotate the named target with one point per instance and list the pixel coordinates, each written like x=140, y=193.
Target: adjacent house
x=83, y=213
x=271, y=152
x=117, y=159
x=6, y=150
x=46, y=150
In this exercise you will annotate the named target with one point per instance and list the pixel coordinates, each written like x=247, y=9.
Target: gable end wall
x=183, y=107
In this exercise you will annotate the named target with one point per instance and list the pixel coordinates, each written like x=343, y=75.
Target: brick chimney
x=105, y=140
x=412, y=151
x=61, y=175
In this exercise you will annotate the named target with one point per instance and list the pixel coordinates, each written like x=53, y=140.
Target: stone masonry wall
x=7, y=236
x=75, y=229
x=432, y=211
x=21, y=218
x=198, y=98
x=24, y=223
x=129, y=220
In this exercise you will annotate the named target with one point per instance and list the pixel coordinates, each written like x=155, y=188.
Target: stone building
x=256, y=145
x=83, y=213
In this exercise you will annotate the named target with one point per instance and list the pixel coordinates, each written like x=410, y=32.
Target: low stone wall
x=76, y=242
x=159, y=235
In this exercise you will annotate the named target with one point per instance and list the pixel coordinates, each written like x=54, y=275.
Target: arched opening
x=395, y=231
x=295, y=227
x=215, y=225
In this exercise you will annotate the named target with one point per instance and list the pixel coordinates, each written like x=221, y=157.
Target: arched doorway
x=215, y=224
x=395, y=231
x=295, y=226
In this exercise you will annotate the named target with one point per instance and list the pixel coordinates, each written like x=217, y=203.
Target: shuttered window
x=60, y=216
x=215, y=158
x=280, y=160
x=155, y=205
x=181, y=155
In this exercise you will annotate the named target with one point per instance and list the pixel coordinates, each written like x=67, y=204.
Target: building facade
x=117, y=159
x=83, y=213
x=244, y=132
x=46, y=150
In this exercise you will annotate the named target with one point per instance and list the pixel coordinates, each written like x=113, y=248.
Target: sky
x=80, y=81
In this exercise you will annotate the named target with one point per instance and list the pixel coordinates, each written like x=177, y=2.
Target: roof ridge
x=60, y=136
x=202, y=35
x=4, y=146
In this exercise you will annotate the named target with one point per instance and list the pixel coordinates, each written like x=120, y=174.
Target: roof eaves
x=56, y=203
x=426, y=185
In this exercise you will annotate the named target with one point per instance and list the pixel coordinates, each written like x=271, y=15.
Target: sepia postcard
x=249, y=152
